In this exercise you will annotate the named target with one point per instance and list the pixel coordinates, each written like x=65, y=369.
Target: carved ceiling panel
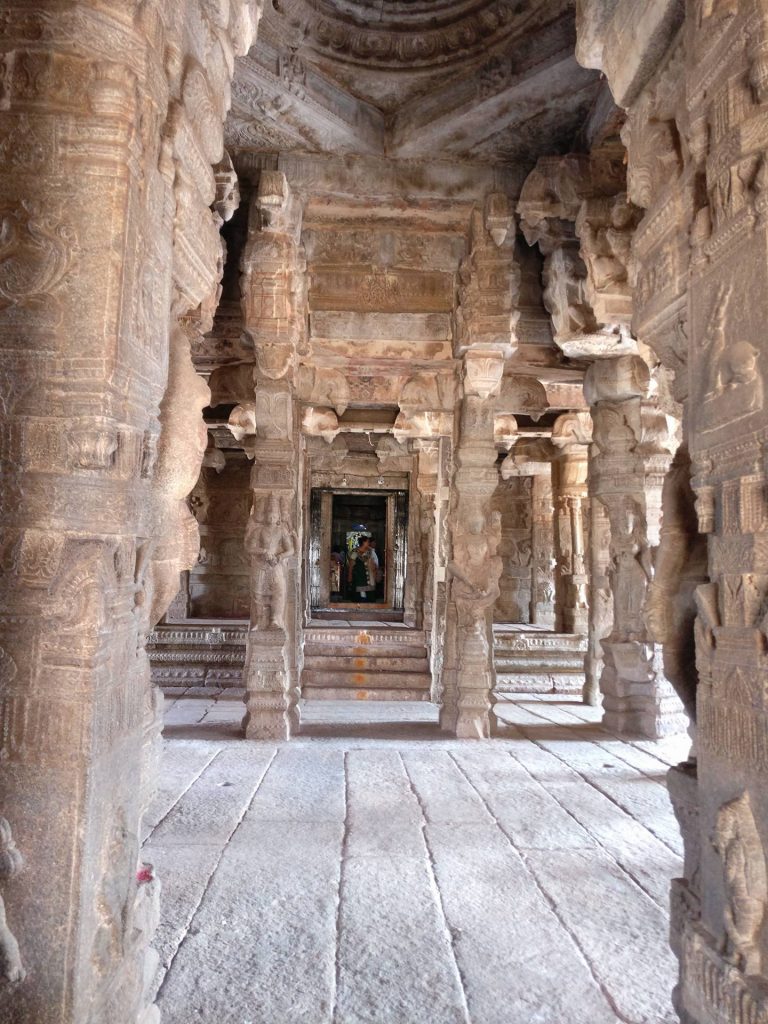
x=415, y=78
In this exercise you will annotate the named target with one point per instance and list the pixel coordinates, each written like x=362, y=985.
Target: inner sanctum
x=383, y=511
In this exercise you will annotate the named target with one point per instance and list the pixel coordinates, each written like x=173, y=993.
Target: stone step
x=416, y=653
x=538, y=661
x=365, y=680
x=347, y=693
x=369, y=637
x=354, y=662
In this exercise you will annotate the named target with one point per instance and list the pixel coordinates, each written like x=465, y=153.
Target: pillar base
x=475, y=725
x=638, y=700
x=271, y=713
x=728, y=995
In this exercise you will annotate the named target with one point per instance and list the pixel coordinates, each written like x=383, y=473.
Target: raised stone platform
x=200, y=653
x=533, y=660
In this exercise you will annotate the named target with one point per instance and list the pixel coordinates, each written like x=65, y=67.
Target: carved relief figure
x=607, y=247
x=737, y=841
x=476, y=569
x=11, y=968
x=680, y=565
x=270, y=544
x=631, y=568
x=733, y=367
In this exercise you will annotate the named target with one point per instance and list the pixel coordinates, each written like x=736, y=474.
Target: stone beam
x=466, y=114
x=278, y=97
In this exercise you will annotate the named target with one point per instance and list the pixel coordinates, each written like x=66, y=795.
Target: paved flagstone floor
x=373, y=872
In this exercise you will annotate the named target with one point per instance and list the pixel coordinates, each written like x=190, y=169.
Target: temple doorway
x=357, y=549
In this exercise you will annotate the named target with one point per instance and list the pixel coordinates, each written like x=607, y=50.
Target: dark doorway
x=357, y=549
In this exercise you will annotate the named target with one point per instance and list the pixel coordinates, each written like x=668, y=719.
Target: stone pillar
x=599, y=593
x=484, y=335
x=426, y=533
x=631, y=458
x=571, y=435
x=273, y=294
x=109, y=129
x=475, y=566
x=532, y=458
x=542, y=551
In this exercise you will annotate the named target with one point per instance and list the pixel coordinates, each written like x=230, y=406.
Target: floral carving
x=37, y=251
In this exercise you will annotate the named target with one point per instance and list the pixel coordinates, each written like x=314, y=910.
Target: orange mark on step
x=361, y=695
x=359, y=678
x=359, y=662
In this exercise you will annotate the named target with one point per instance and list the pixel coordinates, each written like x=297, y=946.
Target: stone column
x=631, y=458
x=532, y=458
x=542, y=551
x=108, y=240
x=571, y=435
x=426, y=533
x=475, y=567
x=599, y=593
x=275, y=320
x=484, y=335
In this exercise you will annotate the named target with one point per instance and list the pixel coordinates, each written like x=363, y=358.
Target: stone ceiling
x=489, y=80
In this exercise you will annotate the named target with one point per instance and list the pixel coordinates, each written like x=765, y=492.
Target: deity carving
x=680, y=564
x=733, y=368
x=476, y=568
x=631, y=568
x=11, y=966
x=737, y=840
x=181, y=448
x=605, y=230
x=271, y=544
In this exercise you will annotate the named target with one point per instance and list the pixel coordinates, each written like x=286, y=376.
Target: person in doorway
x=361, y=574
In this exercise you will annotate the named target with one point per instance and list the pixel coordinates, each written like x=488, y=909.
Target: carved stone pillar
x=275, y=320
x=108, y=239
x=599, y=593
x=630, y=460
x=531, y=458
x=475, y=567
x=542, y=551
x=571, y=435
x=484, y=335
x=426, y=533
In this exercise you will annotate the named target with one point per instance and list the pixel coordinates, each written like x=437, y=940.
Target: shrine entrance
x=357, y=550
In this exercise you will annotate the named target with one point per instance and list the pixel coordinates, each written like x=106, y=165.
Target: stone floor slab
x=375, y=871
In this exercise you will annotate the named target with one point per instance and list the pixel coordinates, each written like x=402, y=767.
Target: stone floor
x=373, y=872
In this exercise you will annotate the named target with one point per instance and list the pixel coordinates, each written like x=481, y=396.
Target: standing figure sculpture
x=11, y=968
x=476, y=568
x=270, y=543
x=737, y=840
